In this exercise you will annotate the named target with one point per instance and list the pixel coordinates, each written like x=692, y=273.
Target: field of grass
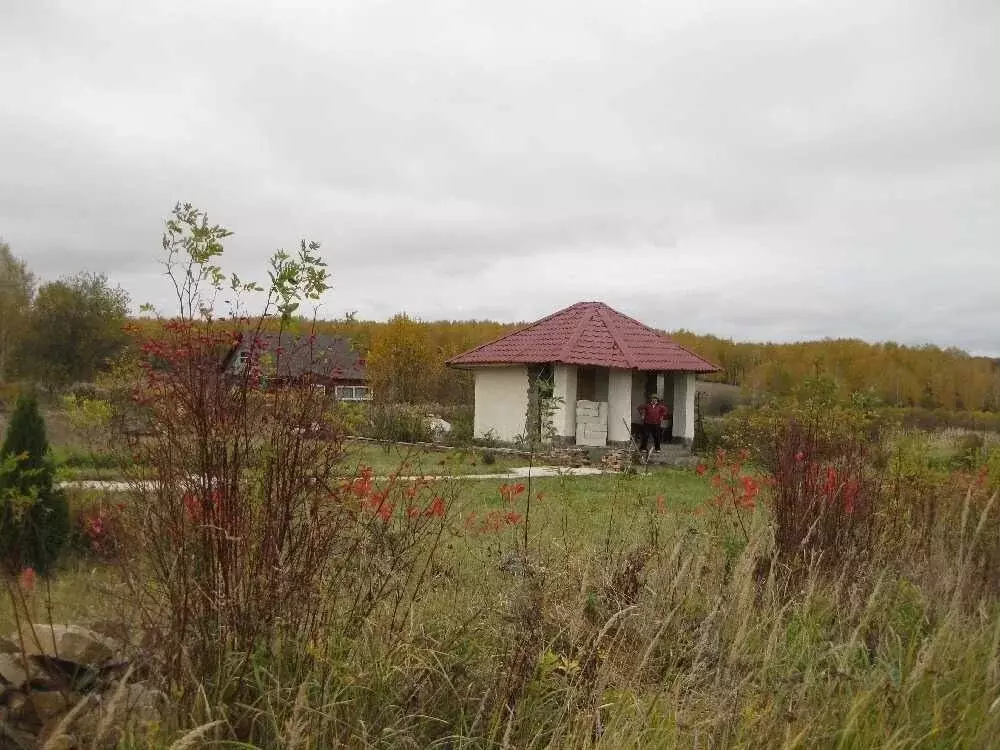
x=612, y=611
x=382, y=459
x=580, y=512
x=628, y=623
x=73, y=464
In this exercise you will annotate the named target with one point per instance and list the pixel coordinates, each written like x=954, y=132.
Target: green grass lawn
x=584, y=508
x=576, y=512
x=383, y=459
x=386, y=459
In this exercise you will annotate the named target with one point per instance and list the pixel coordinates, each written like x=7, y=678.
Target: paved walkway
x=520, y=472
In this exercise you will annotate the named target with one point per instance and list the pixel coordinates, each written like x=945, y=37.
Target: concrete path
x=520, y=472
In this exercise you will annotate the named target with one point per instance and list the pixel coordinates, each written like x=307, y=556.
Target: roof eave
x=705, y=369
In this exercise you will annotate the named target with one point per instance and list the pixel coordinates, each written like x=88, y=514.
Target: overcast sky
x=763, y=170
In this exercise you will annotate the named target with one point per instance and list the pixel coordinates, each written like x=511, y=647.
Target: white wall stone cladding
x=592, y=423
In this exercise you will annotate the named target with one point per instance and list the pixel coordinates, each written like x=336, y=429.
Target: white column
x=684, y=390
x=620, y=406
x=564, y=391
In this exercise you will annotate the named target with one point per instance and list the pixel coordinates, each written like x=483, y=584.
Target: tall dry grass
x=660, y=644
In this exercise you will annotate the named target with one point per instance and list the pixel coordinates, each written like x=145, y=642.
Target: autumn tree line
x=406, y=362
x=70, y=330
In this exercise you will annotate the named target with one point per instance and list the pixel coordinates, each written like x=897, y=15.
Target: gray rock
x=49, y=704
x=7, y=646
x=116, y=630
x=17, y=705
x=69, y=643
x=13, y=671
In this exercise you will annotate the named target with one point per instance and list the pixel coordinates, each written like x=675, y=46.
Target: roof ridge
x=585, y=318
x=665, y=336
x=639, y=323
x=603, y=312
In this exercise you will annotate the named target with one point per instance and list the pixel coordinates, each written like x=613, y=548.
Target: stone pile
x=67, y=687
x=616, y=460
x=571, y=457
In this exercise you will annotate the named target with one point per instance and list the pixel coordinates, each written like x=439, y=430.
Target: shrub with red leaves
x=825, y=494
x=99, y=531
x=245, y=529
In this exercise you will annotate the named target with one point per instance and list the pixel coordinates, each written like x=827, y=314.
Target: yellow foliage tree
x=402, y=364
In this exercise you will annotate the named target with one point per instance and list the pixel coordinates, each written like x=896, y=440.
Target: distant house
x=328, y=362
x=598, y=364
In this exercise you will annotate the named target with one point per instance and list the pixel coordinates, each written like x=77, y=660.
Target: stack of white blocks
x=592, y=423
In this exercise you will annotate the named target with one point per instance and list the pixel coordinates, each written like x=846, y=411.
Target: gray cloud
x=765, y=170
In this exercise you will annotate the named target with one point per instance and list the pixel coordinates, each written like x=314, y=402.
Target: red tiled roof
x=590, y=334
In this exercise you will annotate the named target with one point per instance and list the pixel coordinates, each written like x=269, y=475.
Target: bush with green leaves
x=971, y=451
x=351, y=417
x=34, y=516
x=462, y=424
x=833, y=422
x=398, y=423
x=820, y=453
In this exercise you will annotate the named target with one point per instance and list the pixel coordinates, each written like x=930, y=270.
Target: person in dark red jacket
x=653, y=413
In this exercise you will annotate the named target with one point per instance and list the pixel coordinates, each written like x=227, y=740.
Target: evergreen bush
x=34, y=514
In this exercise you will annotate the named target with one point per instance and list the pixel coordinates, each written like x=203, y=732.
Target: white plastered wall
x=501, y=401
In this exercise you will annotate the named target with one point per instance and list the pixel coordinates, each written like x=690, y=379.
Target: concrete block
x=594, y=440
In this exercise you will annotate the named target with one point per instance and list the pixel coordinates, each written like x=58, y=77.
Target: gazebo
x=599, y=366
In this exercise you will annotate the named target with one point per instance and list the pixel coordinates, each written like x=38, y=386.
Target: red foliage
x=101, y=531
x=823, y=505
x=26, y=580
x=735, y=491
x=816, y=506
x=497, y=521
x=733, y=488
x=436, y=508
x=510, y=492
